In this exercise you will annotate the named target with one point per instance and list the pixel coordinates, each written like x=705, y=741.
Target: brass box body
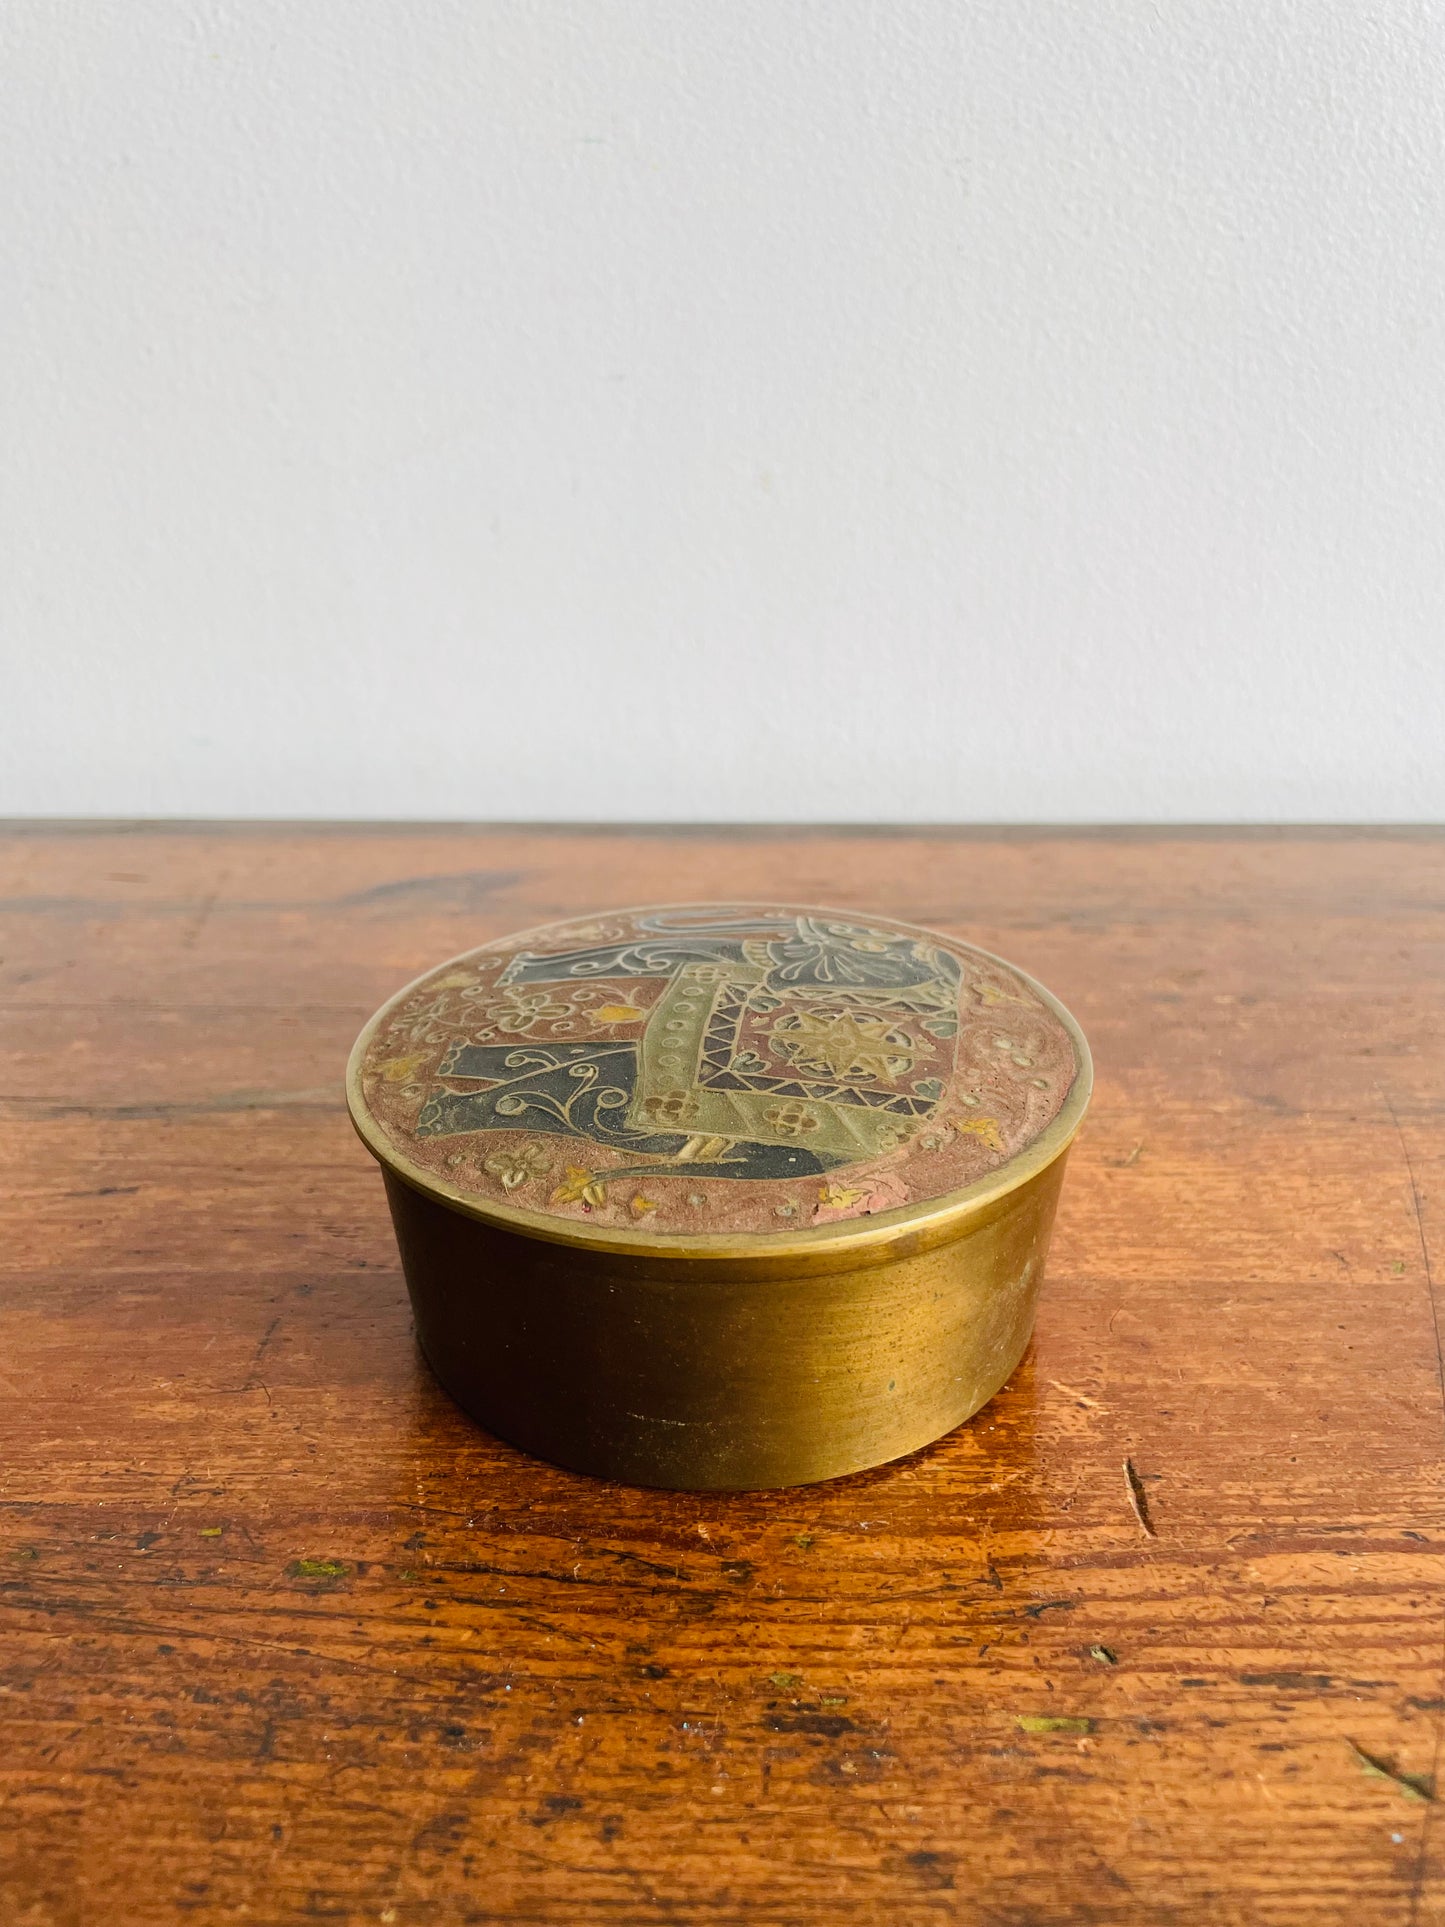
x=707, y=1373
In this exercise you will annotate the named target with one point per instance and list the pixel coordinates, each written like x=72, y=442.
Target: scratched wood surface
x=284, y=1637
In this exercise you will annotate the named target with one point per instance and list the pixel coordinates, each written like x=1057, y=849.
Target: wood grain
x=285, y=1638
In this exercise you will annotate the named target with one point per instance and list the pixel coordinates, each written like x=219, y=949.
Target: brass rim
x=928, y=1221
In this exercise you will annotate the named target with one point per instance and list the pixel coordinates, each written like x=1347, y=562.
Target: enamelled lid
x=719, y=1080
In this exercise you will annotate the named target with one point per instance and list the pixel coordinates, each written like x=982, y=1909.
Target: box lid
x=717, y=1079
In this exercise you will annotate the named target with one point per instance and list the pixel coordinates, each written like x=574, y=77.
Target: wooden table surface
x=285, y=1638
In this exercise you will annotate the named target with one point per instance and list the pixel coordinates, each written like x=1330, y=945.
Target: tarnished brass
x=707, y=1353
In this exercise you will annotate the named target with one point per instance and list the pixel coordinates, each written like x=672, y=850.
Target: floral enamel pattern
x=723, y=1068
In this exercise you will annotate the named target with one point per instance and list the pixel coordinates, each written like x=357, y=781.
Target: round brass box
x=722, y=1195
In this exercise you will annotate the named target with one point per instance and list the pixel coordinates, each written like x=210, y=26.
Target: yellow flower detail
x=396, y=1070
x=834, y=1197
x=640, y=1206
x=981, y=1127
x=580, y=1184
x=520, y=1010
x=619, y=1014
x=453, y=980
x=515, y=1167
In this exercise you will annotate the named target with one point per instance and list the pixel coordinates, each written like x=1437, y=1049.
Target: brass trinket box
x=720, y=1195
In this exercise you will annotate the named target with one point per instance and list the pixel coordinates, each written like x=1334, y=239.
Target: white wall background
x=723, y=408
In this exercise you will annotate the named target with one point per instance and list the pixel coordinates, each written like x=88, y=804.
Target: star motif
x=845, y=1046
